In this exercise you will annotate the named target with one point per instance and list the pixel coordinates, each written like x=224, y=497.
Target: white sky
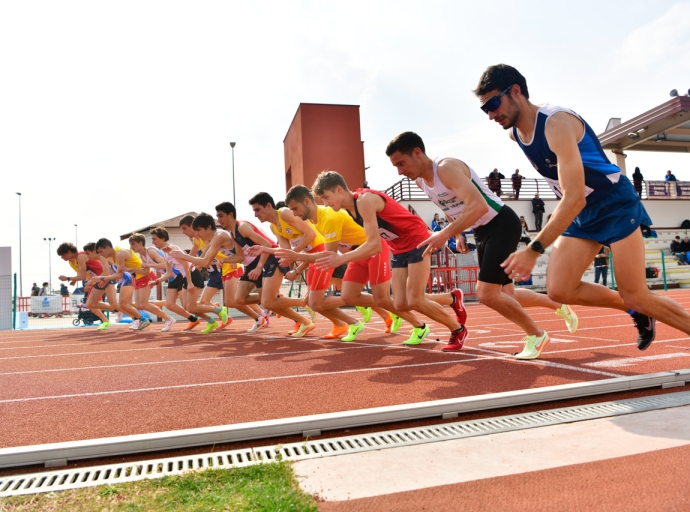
x=117, y=115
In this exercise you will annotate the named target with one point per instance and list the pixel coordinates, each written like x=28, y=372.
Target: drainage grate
x=127, y=472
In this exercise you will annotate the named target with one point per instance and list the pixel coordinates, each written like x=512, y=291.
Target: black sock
x=192, y=318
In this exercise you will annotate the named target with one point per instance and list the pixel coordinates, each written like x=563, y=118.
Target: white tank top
x=451, y=204
x=176, y=265
x=225, y=252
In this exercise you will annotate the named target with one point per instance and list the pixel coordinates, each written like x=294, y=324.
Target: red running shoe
x=458, y=306
x=457, y=340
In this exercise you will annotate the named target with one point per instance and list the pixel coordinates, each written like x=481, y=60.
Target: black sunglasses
x=494, y=102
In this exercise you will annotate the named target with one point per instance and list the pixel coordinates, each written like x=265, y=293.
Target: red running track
x=74, y=384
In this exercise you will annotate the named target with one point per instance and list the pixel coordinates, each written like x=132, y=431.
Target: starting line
x=58, y=454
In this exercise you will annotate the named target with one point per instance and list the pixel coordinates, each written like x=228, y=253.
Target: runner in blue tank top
x=598, y=206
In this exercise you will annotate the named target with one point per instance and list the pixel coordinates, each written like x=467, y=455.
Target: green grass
x=265, y=487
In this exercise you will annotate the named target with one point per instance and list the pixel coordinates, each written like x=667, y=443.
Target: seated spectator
x=452, y=245
x=442, y=224
x=685, y=246
x=677, y=251
x=524, y=237
x=434, y=223
x=669, y=176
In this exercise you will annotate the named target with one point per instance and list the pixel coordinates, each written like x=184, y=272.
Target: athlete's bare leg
x=353, y=296
x=229, y=299
x=125, y=302
x=141, y=299
x=330, y=308
x=244, y=295
x=281, y=305
x=566, y=269
x=408, y=293
x=192, y=296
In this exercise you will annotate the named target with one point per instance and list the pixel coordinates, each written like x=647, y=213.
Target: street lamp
x=21, y=281
x=76, y=238
x=232, y=145
x=49, y=241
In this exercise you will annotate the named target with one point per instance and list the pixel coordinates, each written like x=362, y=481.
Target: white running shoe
x=168, y=325
x=135, y=325
x=118, y=318
x=258, y=323
x=143, y=324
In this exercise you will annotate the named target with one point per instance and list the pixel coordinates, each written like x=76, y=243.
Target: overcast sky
x=114, y=116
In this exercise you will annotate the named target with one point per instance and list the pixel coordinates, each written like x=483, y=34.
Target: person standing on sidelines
x=457, y=189
x=339, y=229
x=598, y=206
x=538, y=209
x=384, y=219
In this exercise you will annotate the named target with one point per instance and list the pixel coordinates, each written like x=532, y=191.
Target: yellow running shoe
x=533, y=346
x=567, y=314
x=366, y=313
x=352, y=332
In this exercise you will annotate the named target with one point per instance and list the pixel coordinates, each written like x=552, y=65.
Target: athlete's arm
x=247, y=231
x=308, y=233
x=563, y=131
x=81, y=272
x=168, y=274
x=455, y=175
x=368, y=205
x=120, y=259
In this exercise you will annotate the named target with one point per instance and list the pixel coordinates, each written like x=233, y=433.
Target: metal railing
x=406, y=190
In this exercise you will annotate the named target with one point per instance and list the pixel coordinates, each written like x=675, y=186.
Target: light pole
x=76, y=238
x=21, y=281
x=49, y=241
x=232, y=145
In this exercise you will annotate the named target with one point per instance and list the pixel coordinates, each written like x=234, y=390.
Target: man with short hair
x=669, y=176
x=494, y=181
x=598, y=206
x=678, y=252
x=384, y=219
x=118, y=259
x=516, y=180
x=538, y=209
x=337, y=228
x=457, y=189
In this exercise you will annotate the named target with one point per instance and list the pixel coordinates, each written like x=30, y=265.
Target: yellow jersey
x=134, y=261
x=285, y=230
x=338, y=226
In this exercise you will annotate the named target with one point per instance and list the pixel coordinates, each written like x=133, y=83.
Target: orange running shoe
x=192, y=325
x=337, y=332
x=389, y=323
x=295, y=328
x=224, y=325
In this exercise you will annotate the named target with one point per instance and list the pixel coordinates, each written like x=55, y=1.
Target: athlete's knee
x=401, y=304
x=350, y=299
x=560, y=295
x=242, y=301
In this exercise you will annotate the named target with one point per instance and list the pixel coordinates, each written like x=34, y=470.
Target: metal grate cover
x=59, y=480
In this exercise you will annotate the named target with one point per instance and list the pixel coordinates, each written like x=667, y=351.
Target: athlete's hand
x=291, y=276
x=519, y=265
x=254, y=250
x=286, y=254
x=73, y=282
x=434, y=242
x=254, y=274
x=461, y=245
x=328, y=259
x=62, y=278
x=175, y=253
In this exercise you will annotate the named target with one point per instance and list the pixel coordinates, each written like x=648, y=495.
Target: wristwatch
x=536, y=246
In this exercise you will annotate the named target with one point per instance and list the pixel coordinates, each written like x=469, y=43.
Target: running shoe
x=418, y=335
x=336, y=332
x=533, y=346
x=168, y=325
x=258, y=323
x=211, y=326
x=570, y=317
x=118, y=318
x=457, y=340
x=103, y=326
x=312, y=313
x=352, y=332
x=135, y=325
x=266, y=317
x=458, y=306
x=646, y=328
x=143, y=324
x=303, y=330
x=223, y=315
x=366, y=313
x=295, y=328
x=225, y=324
x=192, y=325
x=393, y=323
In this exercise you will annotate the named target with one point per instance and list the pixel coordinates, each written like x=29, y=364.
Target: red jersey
x=402, y=230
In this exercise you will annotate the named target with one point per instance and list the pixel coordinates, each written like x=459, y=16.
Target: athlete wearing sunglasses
x=598, y=206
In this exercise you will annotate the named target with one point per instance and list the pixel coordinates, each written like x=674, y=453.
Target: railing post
x=14, y=305
x=613, y=277
x=663, y=269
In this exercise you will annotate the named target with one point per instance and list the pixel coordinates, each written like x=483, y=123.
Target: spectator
x=434, y=223
x=685, y=246
x=494, y=181
x=45, y=290
x=601, y=265
x=637, y=181
x=524, y=237
x=516, y=178
x=63, y=290
x=669, y=176
x=35, y=290
x=441, y=224
x=538, y=211
x=678, y=252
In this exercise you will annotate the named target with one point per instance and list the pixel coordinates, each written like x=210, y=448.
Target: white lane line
x=244, y=381
x=632, y=361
